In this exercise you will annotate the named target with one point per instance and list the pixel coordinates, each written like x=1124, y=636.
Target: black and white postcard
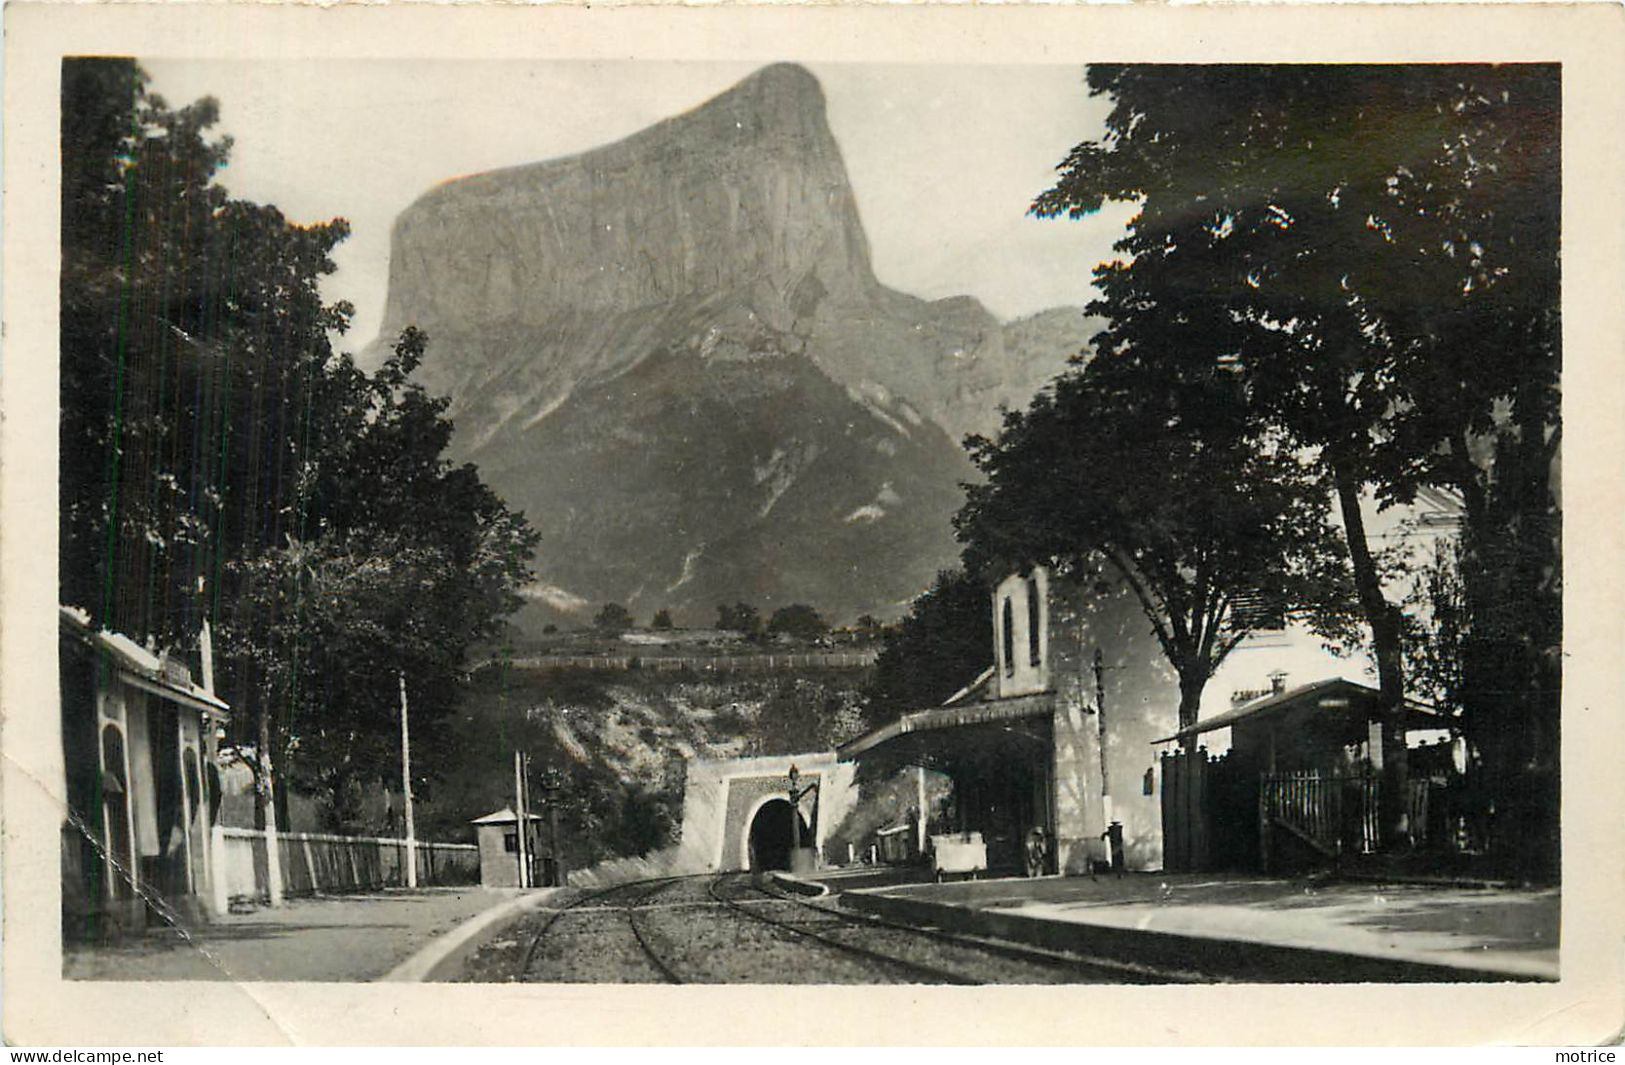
x=998, y=511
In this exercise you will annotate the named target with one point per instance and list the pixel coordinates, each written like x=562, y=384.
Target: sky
x=943, y=159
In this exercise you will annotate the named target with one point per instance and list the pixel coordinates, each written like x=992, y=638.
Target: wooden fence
x=1335, y=813
x=1187, y=812
x=315, y=863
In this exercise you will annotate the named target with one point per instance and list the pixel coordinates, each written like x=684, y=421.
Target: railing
x=1332, y=812
x=762, y=663
x=315, y=863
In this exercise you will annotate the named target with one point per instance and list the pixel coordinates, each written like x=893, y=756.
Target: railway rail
x=1122, y=972
x=698, y=930
x=930, y=973
x=641, y=891
x=974, y=949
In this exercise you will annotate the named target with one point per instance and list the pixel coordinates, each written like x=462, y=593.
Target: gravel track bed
x=965, y=962
x=696, y=937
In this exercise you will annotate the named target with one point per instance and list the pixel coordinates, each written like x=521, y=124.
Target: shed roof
x=504, y=816
x=140, y=665
x=1333, y=694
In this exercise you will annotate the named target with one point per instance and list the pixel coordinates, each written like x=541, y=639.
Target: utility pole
x=530, y=851
x=406, y=792
x=919, y=802
x=267, y=791
x=520, y=815
x=1100, y=724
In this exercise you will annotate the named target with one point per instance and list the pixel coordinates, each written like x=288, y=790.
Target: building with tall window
x=138, y=742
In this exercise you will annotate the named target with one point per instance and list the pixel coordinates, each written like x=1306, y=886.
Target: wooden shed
x=1303, y=767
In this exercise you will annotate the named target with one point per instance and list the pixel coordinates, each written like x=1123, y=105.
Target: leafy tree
x=942, y=645
x=797, y=621
x=741, y=617
x=212, y=437
x=613, y=618
x=1374, y=251
x=193, y=341
x=404, y=563
x=1434, y=652
x=1166, y=482
x=662, y=619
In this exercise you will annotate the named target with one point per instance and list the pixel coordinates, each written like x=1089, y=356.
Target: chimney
x=1278, y=682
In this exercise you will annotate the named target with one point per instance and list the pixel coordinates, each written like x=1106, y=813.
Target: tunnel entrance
x=770, y=836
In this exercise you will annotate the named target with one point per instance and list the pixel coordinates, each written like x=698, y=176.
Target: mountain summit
x=672, y=351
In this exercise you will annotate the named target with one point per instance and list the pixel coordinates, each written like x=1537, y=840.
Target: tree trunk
x=1190, y=706
x=1511, y=581
x=261, y=762
x=1386, y=635
x=1537, y=838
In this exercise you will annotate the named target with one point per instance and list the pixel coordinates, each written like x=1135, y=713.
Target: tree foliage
x=212, y=437
x=1166, y=480
x=403, y=562
x=1374, y=249
x=741, y=617
x=193, y=341
x=797, y=621
x=943, y=644
x=612, y=619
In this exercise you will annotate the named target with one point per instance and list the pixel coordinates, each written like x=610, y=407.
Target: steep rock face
x=733, y=470
x=576, y=309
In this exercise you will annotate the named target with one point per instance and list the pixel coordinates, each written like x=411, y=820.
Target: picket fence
x=315, y=863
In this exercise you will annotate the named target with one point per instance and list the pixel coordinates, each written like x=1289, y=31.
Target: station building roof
x=1333, y=695
x=141, y=667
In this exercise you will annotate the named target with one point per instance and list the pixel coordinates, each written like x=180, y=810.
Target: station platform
x=1236, y=927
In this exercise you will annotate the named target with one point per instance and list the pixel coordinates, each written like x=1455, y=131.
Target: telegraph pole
x=1100, y=724
x=406, y=792
x=519, y=812
x=530, y=851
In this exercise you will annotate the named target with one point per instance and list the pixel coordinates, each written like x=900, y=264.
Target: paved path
x=337, y=938
x=1490, y=930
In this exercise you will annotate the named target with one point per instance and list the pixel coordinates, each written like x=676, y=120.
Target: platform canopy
x=166, y=677
x=946, y=736
x=1332, y=696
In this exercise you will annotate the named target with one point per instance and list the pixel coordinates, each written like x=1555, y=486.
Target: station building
x=138, y=741
x=1027, y=744
x=1071, y=732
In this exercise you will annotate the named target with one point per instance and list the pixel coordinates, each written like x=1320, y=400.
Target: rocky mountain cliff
x=673, y=353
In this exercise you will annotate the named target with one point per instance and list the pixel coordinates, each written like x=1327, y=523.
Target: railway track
x=927, y=972
x=640, y=893
x=1078, y=967
x=730, y=929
